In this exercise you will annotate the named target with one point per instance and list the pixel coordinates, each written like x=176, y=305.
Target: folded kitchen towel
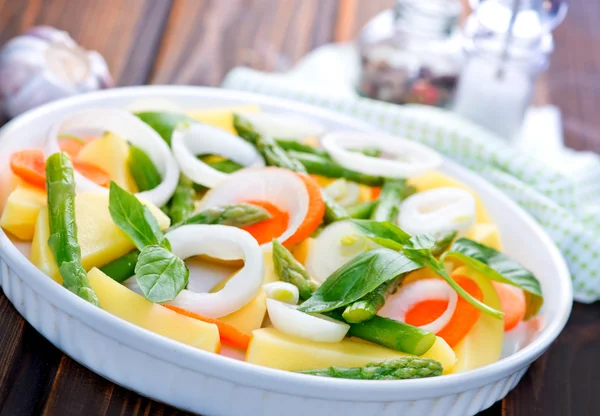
x=566, y=202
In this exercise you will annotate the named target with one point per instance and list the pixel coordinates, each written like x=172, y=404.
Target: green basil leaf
x=164, y=122
x=166, y=244
x=383, y=233
x=133, y=218
x=418, y=249
x=160, y=274
x=355, y=279
x=498, y=266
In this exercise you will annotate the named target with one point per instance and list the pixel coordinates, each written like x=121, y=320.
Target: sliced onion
x=398, y=305
x=130, y=128
x=196, y=139
x=336, y=245
x=284, y=126
x=440, y=209
x=313, y=327
x=281, y=187
x=283, y=292
x=224, y=242
x=407, y=158
x=344, y=192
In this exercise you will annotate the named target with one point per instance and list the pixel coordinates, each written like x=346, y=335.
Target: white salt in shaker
x=507, y=44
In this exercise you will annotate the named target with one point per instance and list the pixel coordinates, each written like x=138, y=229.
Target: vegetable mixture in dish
x=264, y=236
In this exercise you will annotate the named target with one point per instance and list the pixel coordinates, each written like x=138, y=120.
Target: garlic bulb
x=45, y=64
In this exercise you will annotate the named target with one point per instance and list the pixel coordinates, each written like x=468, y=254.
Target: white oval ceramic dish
x=209, y=384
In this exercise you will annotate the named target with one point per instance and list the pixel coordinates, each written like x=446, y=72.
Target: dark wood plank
x=574, y=75
x=77, y=391
x=565, y=380
x=204, y=39
x=27, y=364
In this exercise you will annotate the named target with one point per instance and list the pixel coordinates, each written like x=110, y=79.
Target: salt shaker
x=507, y=43
x=412, y=54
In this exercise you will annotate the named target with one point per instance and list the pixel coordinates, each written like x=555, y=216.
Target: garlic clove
x=46, y=64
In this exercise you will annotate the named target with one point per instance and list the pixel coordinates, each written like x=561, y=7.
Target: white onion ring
x=439, y=209
x=130, y=128
x=196, y=139
x=410, y=158
x=313, y=327
x=398, y=304
x=284, y=126
x=279, y=290
x=219, y=241
x=281, y=187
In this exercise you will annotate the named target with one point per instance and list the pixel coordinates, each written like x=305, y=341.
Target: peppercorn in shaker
x=412, y=54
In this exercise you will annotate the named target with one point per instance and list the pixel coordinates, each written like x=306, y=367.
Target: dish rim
x=254, y=375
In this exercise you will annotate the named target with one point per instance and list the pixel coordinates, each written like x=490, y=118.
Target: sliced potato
x=128, y=305
x=21, y=211
x=110, y=153
x=271, y=348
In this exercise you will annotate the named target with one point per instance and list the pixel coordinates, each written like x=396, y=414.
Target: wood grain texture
x=198, y=42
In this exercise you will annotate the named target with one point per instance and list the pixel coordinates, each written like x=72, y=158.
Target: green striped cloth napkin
x=567, y=207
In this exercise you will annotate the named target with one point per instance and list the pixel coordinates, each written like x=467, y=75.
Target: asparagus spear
x=393, y=334
x=366, y=307
x=275, y=156
x=288, y=145
x=60, y=186
x=398, y=369
x=182, y=202
x=290, y=270
x=393, y=192
x=362, y=211
x=236, y=215
x=224, y=165
x=319, y=165
x=142, y=169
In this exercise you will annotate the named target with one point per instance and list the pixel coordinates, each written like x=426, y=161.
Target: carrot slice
x=72, y=147
x=93, y=173
x=375, y=192
x=30, y=165
x=267, y=230
x=229, y=334
x=512, y=300
x=426, y=312
x=314, y=216
x=464, y=318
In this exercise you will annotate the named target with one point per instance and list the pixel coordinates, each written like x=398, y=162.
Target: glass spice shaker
x=504, y=58
x=413, y=53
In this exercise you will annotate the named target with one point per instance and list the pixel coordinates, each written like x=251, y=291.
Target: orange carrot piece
x=267, y=230
x=229, y=334
x=93, y=173
x=30, y=165
x=464, y=318
x=375, y=192
x=72, y=147
x=425, y=312
x=314, y=216
x=512, y=301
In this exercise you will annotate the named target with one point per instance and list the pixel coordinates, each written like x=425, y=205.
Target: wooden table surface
x=197, y=42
